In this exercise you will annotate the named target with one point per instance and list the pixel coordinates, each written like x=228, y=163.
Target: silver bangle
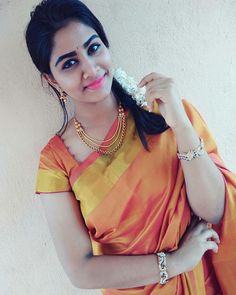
x=192, y=154
x=163, y=268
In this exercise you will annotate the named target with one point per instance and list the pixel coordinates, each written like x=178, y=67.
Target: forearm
x=125, y=271
x=204, y=182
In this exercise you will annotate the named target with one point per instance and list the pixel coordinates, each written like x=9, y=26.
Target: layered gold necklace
x=110, y=145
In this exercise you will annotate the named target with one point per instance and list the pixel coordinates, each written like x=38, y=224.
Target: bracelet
x=162, y=267
x=192, y=154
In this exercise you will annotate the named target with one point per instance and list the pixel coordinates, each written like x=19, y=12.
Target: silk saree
x=134, y=202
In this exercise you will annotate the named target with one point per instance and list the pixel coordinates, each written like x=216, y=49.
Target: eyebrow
x=73, y=53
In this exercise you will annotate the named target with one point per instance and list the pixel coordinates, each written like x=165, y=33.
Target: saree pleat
x=134, y=202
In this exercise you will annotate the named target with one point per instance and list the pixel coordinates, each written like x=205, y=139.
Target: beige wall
x=194, y=42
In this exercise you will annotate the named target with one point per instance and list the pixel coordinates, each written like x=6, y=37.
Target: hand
x=160, y=88
x=195, y=242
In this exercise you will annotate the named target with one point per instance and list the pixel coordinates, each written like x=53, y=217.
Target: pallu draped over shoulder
x=134, y=202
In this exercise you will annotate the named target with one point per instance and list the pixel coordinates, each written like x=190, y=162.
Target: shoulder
x=51, y=175
x=53, y=153
x=53, y=143
x=47, y=154
x=50, y=146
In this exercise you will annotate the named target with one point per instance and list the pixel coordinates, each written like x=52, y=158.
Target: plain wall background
x=194, y=42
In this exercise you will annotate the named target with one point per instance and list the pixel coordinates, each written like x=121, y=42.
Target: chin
x=104, y=97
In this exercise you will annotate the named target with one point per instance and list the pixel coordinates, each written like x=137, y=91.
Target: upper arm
x=69, y=232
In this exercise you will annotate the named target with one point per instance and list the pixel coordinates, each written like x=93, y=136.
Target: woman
x=129, y=189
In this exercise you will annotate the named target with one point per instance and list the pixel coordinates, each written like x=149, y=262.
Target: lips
x=96, y=83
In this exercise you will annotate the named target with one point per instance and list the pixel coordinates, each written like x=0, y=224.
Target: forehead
x=70, y=37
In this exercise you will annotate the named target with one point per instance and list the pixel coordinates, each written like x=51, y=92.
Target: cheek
x=107, y=58
x=66, y=79
x=69, y=80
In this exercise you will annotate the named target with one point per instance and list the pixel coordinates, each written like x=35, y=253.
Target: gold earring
x=63, y=95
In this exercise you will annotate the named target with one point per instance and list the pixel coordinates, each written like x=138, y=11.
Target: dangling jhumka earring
x=63, y=95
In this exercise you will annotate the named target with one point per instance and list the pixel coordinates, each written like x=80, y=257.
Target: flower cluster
x=128, y=83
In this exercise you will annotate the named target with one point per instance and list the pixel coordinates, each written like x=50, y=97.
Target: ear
x=50, y=80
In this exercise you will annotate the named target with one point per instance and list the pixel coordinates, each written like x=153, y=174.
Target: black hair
x=47, y=18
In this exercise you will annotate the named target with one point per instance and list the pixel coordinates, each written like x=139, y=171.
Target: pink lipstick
x=96, y=84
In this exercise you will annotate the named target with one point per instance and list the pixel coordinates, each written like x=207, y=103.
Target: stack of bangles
x=162, y=267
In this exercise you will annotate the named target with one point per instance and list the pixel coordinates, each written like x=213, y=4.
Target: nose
x=89, y=68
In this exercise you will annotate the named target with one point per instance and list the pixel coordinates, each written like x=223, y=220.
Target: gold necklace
x=99, y=145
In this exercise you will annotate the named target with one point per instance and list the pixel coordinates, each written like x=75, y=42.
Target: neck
x=96, y=114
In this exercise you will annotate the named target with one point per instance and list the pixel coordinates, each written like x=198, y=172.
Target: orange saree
x=135, y=202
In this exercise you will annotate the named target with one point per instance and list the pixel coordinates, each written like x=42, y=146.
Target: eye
x=68, y=64
x=93, y=48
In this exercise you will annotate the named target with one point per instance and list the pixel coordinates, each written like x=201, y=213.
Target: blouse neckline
x=94, y=154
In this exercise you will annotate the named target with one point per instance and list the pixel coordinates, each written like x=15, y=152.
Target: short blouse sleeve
x=51, y=177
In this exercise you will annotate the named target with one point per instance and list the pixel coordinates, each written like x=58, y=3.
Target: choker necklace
x=104, y=147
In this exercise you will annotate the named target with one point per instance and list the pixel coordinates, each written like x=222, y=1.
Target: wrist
x=174, y=263
x=184, y=127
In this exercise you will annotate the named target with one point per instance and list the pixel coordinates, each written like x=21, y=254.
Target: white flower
x=130, y=85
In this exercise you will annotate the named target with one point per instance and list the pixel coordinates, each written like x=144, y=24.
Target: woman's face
x=78, y=59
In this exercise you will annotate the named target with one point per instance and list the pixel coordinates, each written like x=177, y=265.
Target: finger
x=150, y=103
x=156, y=91
x=151, y=100
x=209, y=225
x=211, y=234
x=154, y=94
x=150, y=106
x=150, y=97
x=149, y=78
x=202, y=226
x=211, y=245
x=160, y=83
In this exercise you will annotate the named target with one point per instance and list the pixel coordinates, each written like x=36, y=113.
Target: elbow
x=81, y=285
x=81, y=282
x=213, y=217
x=81, y=278
x=219, y=214
x=220, y=208
x=217, y=217
x=218, y=211
x=215, y=221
